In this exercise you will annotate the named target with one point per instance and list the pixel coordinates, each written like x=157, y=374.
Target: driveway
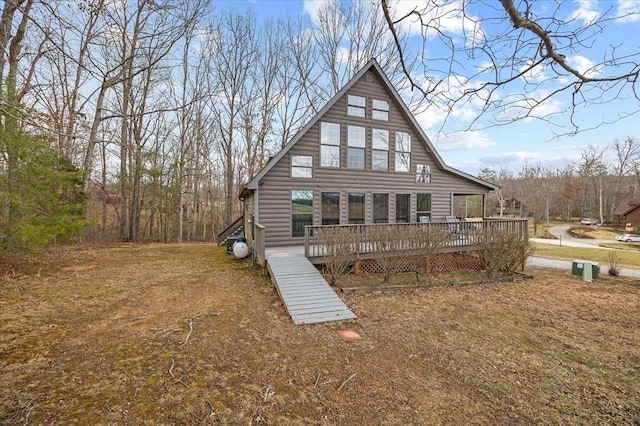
x=567, y=240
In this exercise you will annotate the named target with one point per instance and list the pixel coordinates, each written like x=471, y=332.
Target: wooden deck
x=306, y=295
x=455, y=236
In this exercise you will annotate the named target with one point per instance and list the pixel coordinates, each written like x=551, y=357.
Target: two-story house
x=363, y=158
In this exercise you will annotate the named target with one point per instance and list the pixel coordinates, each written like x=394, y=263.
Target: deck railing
x=231, y=229
x=460, y=234
x=259, y=240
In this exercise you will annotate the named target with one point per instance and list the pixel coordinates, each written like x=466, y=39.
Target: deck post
x=259, y=241
x=306, y=241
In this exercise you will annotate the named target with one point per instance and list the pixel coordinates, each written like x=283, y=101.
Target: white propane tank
x=240, y=249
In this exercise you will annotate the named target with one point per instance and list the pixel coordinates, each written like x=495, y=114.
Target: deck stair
x=306, y=295
x=234, y=229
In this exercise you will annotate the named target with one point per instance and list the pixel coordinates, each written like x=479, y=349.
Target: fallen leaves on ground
x=184, y=334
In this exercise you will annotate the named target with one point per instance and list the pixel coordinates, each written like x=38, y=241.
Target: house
x=512, y=206
x=627, y=214
x=363, y=158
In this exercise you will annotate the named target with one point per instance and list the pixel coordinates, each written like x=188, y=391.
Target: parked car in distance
x=628, y=237
x=587, y=221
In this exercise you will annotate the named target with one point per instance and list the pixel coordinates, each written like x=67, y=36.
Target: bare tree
x=347, y=35
x=296, y=79
x=71, y=29
x=237, y=53
x=592, y=170
x=537, y=180
x=144, y=36
x=528, y=46
x=627, y=156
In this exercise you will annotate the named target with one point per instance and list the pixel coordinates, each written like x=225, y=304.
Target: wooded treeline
x=163, y=108
x=147, y=116
x=592, y=187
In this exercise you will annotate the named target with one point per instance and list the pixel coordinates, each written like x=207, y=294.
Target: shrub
x=388, y=241
x=614, y=269
x=428, y=240
x=502, y=251
x=340, y=249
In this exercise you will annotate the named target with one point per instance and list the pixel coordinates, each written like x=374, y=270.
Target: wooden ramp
x=306, y=295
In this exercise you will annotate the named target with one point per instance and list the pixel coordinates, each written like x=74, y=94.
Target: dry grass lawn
x=182, y=334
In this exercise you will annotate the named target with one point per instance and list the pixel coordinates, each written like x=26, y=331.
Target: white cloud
x=462, y=140
x=528, y=107
x=629, y=10
x=435, y=17
x=515, y=160
x=440, y=109
x=584, y=66
x=535, y=74
x=315, y=7
x=587, y=11
x=430, y=117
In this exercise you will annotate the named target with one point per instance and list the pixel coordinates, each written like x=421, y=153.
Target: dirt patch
x=184, y=334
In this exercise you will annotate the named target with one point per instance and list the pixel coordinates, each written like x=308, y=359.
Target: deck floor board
x=306, y=295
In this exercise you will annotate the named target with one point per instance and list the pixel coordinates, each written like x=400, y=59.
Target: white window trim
x=422, y=176
x=356, y=103
x=403, y=152
x=376, y=108
x=300, y=163
x=329, y=143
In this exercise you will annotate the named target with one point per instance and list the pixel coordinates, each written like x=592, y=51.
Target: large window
x=380, y=208
x=380, y=110
x=423, y=207
x=301, y=211
x=329, y=144
x=423, y=173
x=403, y=152
x=355, y=147
x=356, y=105
x=302, y=166
x=356, y=207
x=330, y=208
x=402, y=208
x=380, y=149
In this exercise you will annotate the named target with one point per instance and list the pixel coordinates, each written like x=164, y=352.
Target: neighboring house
x=512, y=206
x=627, y=214
x=363, y=158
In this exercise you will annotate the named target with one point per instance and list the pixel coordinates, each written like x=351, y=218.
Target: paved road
x=543, y=262
x=565, y=239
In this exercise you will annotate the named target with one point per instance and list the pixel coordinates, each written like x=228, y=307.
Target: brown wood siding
x=275, y=188
x=633, y=218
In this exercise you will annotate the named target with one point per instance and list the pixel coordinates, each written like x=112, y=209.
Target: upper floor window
x=302, y=166
x=356, y=105
x=403, y=152
x=355, y=147
x=423, y=173
x=380, y=149
x=329, y=144
x=380, y=110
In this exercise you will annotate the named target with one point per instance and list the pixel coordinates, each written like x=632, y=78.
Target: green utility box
x=577, y=267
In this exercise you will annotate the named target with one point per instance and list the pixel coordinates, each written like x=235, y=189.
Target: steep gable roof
x=371, y=65
x=626, y=206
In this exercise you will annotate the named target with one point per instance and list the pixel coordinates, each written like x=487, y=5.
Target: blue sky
x=525, y=141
